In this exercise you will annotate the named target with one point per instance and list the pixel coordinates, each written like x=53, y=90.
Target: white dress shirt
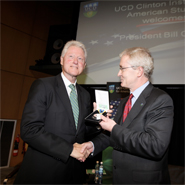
x=67, y=83
x=137, y=92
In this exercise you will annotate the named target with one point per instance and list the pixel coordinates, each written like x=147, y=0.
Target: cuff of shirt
x=92, y=153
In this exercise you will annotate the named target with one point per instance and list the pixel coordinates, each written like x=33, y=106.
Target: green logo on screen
x=90, y=10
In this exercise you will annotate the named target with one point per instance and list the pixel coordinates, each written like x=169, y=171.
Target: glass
x=123, y=68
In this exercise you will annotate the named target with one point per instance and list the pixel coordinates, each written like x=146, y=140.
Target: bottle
x=100, y=179
x=96, y=172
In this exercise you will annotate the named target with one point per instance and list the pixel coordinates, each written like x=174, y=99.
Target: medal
x=98, y=115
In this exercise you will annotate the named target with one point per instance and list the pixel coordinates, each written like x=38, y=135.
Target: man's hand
x=94, y=106
x=87, y=146
x=107, y=123
x=76, y=153
x=109, y=112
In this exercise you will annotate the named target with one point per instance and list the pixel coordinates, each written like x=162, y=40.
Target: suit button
x=114, y=167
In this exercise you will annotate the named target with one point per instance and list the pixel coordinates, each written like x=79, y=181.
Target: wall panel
x=15, y=47
x=11, y=92
x=36, y=51
x=47, y=16
x=18, y=15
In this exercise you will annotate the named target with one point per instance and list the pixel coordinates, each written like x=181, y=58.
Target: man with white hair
x=53, y=125
x=141, y=130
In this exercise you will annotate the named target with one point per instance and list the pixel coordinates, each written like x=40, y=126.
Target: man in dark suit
x=48, y=125
x=140, y=141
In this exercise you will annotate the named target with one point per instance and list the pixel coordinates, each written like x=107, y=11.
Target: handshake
x=82, y=151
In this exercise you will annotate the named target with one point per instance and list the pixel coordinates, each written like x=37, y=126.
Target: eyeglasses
x=123, y=68
x=79, y=59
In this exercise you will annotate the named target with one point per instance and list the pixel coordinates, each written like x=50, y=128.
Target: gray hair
x=139, y=56
x=74, y=43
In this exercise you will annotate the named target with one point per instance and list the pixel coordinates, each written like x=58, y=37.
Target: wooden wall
x=24, y=33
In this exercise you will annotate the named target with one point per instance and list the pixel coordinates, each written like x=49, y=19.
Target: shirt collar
x=66, y=81
x=139, y=90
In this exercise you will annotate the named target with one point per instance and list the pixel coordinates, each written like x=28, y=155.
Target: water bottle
x=96, y=172
x=100, y=173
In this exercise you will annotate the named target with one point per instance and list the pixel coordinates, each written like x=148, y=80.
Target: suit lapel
x=118, y=118
x=80, y=99
x=62, y=93
x=138, y=106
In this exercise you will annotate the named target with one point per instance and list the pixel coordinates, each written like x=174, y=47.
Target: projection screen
x=108, y=27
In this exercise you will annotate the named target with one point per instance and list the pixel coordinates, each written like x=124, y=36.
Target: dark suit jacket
x=141, y=142
x=48, y=127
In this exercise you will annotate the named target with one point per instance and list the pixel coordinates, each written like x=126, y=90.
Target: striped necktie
x=74, y=103
x=127, y=108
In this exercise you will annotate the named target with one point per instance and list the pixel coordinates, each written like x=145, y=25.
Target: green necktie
x=74, y=103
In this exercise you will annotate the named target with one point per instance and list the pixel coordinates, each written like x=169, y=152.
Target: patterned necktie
x=74, y=103
x=128, y=106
